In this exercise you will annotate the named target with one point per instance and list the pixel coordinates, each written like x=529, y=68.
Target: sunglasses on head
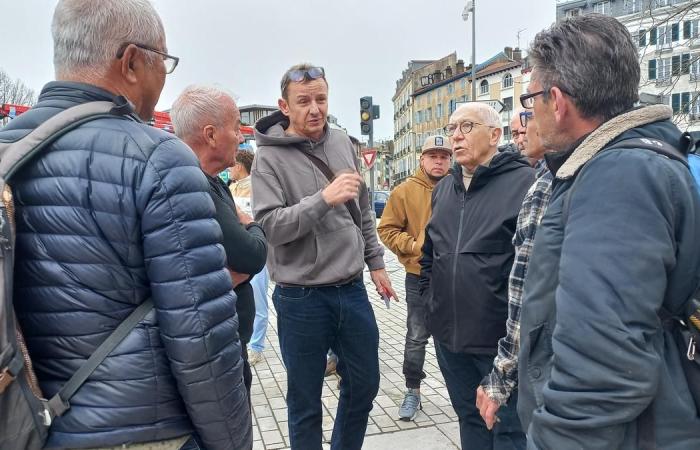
x=312, y=73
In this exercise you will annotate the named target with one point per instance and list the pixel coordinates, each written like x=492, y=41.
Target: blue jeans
x=309, y=322
x=259, y=283
x=463, y=373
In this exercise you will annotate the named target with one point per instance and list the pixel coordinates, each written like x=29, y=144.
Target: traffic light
x=366, y=115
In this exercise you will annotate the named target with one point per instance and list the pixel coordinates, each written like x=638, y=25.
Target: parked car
x=380, y=199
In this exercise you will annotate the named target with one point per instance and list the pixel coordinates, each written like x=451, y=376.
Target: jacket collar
x=606, y=133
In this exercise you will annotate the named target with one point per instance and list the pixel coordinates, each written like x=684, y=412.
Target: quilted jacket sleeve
x=191, y=290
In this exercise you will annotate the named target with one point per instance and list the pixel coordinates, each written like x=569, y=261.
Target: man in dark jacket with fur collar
x=619, y=242
x=467, y=257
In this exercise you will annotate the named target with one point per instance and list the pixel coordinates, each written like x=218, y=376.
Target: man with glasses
x=110, y=214
x=497, y=387
x=616, y=248
x=316, y=214
x=467, y=256
x=517, y=130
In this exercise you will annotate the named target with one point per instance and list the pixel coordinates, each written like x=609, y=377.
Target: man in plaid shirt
x=496, y=388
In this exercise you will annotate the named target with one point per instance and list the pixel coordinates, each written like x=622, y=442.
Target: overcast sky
x=246, y=46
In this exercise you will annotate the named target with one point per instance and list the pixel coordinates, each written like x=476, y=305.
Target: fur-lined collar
x=607, y=132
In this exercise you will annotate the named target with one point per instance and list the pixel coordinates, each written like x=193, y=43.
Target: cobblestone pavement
x=435, y=427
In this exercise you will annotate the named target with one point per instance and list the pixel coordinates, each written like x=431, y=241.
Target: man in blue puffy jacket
x=110, y=214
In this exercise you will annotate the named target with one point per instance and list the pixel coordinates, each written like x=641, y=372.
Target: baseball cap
x=437, y=142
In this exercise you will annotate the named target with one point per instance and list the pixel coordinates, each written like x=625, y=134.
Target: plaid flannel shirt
x=501, y=382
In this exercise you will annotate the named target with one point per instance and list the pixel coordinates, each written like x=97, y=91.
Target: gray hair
x=87, y=34
x=198, y=106
x=592, y=59
x=486, y=113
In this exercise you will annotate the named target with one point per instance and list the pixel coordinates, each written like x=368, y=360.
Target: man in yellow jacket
x=402, y=230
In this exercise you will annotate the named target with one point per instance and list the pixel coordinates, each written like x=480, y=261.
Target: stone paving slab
x=435, y=427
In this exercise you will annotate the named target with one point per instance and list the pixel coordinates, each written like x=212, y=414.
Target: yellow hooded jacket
x=402, y=227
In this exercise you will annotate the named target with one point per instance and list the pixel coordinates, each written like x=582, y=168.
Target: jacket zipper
x=454, y=269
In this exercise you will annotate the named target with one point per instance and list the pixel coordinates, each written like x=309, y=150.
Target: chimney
x=517, y=54
x=509, y=52
x=460, y=66
x=448, y=72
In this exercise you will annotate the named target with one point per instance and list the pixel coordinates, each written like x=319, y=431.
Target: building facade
x=252, y=113
x=667, y=33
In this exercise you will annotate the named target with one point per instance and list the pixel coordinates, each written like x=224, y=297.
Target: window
x=508, y=104
x=507, y=81
x=652, y=69
x=653, y=36
x=685, y=63
x=664, y=69
x=695, y=67
x=429, y=114
x=419, y=117
x=664, y=36
x=450, y=88
x=464, y=83
x=642, y=37
x=484, y=87
x=632, y=6
x=690, y=29
x=695, y=106
x=676, y=103
x=438, y=113
x=506, y=133
x=661, y=3
x=676, y=65
x=675, y=32
x=573, y=12
x=452, y=106
x=601, y=8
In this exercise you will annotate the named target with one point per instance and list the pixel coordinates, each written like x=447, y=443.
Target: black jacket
x=112, y=213
x=246, y=251
x=468, y=253
x=593, y=353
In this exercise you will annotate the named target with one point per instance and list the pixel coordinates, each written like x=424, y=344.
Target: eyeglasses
x=465, y=127
x=312, y=73
x=525, y=116
x=169, y=60
x=528, y=100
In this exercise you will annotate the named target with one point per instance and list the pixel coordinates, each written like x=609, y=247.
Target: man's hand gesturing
x=346, y=186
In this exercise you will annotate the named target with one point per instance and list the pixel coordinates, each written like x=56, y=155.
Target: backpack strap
x=59, y=403
x=13, y=155
x=655, y=145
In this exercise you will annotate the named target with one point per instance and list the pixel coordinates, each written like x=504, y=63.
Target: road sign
x=495, y=104
x=369, y=156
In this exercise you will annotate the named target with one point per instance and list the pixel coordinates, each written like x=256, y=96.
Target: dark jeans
x=463, y=373
x=309, y=322
x=416, y=336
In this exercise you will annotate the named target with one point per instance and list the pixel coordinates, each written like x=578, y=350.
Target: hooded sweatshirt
x=402, y=228
x=310, y=242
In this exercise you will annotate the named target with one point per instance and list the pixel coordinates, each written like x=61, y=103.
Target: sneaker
x=331, y=365
x=254, y=357
x=410, y=406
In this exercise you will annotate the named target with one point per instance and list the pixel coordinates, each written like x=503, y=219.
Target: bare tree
x=668, y=34
x=15, y=91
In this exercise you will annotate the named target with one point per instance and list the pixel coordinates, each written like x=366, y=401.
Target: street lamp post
x=470, y=7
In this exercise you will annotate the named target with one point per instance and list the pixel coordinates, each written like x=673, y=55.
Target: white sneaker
x=254, y=357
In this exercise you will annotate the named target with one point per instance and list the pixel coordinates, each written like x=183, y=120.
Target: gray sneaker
x=410, y=406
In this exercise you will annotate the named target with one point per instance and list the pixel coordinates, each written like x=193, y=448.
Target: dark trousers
x=416, y=335
x=309, y=322
x=463, y=373
x=247, y=372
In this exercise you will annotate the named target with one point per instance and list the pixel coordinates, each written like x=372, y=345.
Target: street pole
x=371, y=171
x=473, y=50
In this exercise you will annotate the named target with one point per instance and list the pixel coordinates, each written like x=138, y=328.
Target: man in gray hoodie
x=315, y=211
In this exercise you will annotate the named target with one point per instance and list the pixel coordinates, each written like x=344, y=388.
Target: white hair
x=486, y=113
x=198, y=106
x=87, y=34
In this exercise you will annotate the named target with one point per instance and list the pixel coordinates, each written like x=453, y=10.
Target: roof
x=499, y=58
x=498, y=67
x=257, y=106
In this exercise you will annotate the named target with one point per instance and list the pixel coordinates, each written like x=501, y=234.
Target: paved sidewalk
x=435, y=427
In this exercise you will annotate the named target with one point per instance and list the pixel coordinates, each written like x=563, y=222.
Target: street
x=435, y=427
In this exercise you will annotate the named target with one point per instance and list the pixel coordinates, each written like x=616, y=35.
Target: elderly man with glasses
x=111, y=216
x=316, y=213
x=467, y=256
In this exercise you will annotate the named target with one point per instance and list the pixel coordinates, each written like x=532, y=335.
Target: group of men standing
x=540, y=286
